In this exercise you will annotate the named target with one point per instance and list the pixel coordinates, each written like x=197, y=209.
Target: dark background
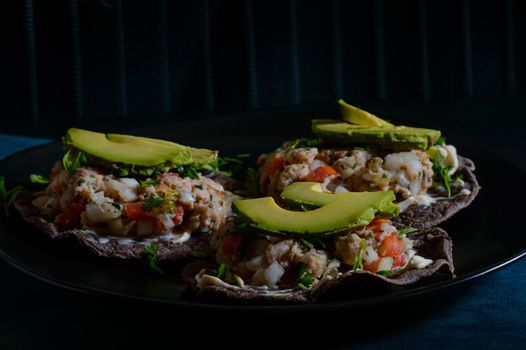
x=123, y=64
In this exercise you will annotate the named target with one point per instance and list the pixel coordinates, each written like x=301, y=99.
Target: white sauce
x=418, y=262
x=169, y=237
x=421, y=199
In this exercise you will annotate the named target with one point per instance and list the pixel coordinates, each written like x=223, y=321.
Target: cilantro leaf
x=358, y=262
x=187, y=171
x=386, y=273
x=152, y=202
x=221, y=271
x=150, y=182
x=73, y=160
x=406, y=230
x=227, y=165
x=150, y=252
x=303, y=143
x=38, y=179
x=441, y=173
x=304, y=278
x=306, y=243
x=7, y=197
x=441, y=141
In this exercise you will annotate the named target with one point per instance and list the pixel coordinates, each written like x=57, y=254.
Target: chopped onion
x=315, y=164
x=340, y=189
x=273, y=273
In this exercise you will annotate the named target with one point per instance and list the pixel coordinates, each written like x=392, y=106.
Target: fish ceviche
x=417, y=165
x=300, y=263
x=118, y=194
x=95, y=199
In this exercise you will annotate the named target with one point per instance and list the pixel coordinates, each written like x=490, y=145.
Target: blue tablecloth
x=487, y=312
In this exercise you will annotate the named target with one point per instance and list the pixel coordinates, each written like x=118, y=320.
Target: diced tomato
x=71, y=216
x=275, y=165
x=320, y=173
x=373, y=267
x=392, y=246
x=179, y=213
x=231, y=243
x=399, y=260
x=135, y=211
x=376, y=225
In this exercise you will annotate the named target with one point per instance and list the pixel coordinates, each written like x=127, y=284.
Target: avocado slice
x=347, y=211
x=135, y=150
x=396, y=137
x=311, y=195
x=358, y=116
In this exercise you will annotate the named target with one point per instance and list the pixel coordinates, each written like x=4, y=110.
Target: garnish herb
x=152, y=202
x=406, y=230
x=150, y=182
x=116, y=205
x=187, y=171
x=313, y=243
x=73, y=160
x=150, y=252
x=303, y=143
x=7, y=197
x=221, y=271
x=38, y=179
x=386, y=273
x=227, y=165
x=441, y=141
x=442, y=174
x=122, y=172
x=240, y=226
x=304, y=278
x=306, y=243
x=358, y=263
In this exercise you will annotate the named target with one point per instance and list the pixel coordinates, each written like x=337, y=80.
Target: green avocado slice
x=135, y=150
x=347, y=211
x=398, y=137
x=358, y=116
x=310, y=194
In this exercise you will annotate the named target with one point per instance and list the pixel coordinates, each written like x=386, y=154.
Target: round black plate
x=485, y=236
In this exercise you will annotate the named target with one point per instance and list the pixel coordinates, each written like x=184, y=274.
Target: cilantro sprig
x=358, y=262
x=188, y=171
x=150, y=182
x=227, y=165
x=386, y=273
x=303, y=143
x=72, y=160
x=304, y=278
x=7, y=197
x=152, y=202
x=221, y=271
x=152, y=257
x=38, y=179
x=441, y=174
x=406, y=230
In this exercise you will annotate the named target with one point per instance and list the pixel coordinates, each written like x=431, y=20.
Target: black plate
x=484, y=236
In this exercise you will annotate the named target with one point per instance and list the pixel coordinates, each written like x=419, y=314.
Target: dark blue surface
x=486, y=312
